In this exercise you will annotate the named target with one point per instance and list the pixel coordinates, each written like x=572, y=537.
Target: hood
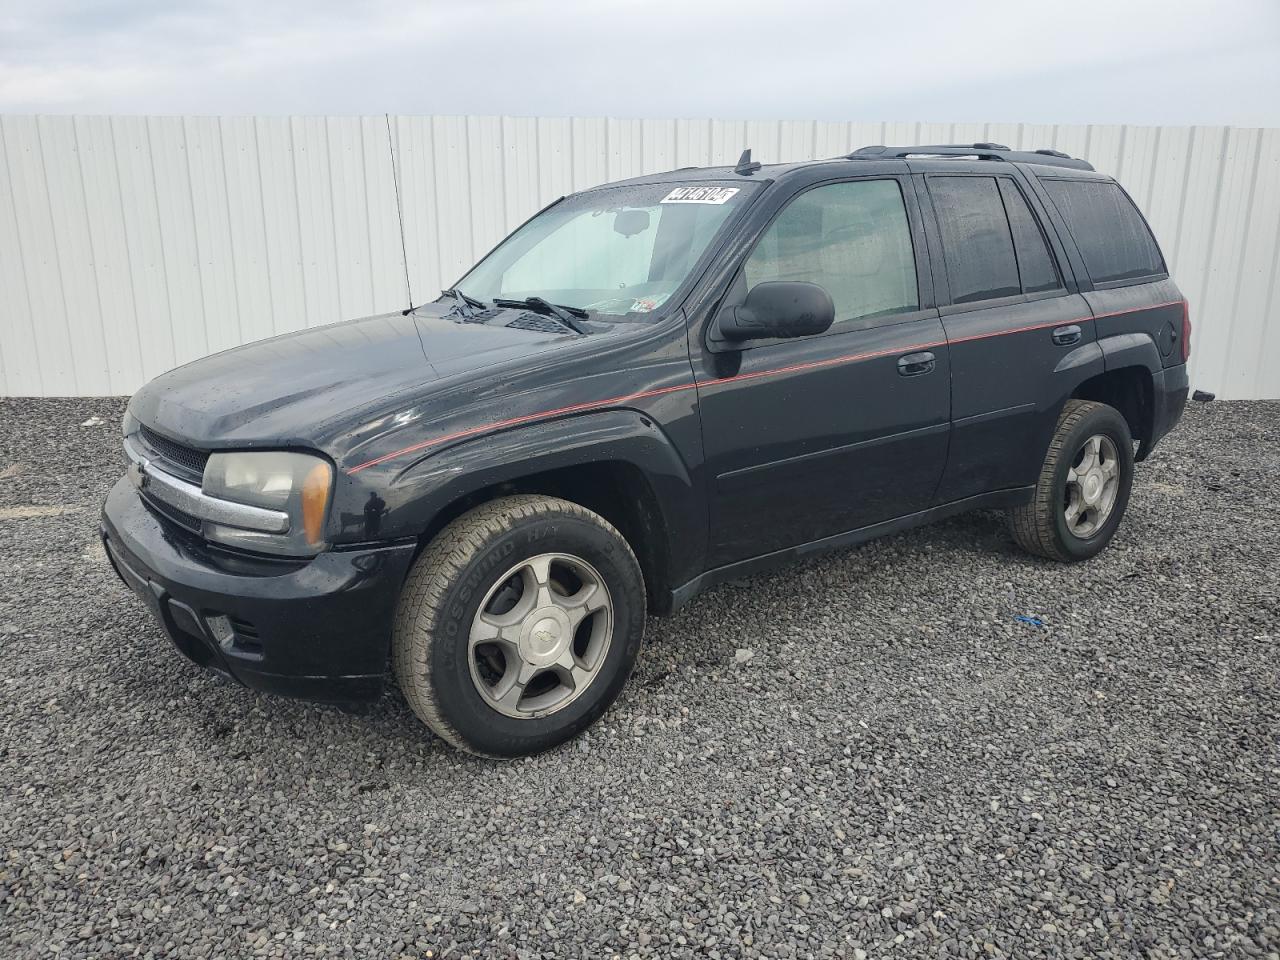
x=284, y=390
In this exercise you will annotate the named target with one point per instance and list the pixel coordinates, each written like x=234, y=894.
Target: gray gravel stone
x=902, y=769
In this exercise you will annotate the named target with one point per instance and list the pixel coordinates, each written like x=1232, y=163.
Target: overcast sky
x=1107, y=61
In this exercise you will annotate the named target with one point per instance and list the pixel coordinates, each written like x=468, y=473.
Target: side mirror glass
x=778, y=308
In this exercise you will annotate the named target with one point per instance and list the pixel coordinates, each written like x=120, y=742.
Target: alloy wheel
x=541, y=635
x=1093, y=483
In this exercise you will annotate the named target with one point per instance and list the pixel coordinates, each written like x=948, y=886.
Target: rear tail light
x=1186, y=332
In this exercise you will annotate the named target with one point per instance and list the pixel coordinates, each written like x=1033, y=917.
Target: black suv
x=648, y=388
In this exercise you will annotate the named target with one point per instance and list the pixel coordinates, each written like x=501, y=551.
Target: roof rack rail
x=983, y=151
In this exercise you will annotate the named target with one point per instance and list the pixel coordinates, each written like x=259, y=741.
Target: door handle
x=1066, y=336
x=916, y=364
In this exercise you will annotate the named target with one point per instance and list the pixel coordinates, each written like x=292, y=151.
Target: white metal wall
x=129, y=245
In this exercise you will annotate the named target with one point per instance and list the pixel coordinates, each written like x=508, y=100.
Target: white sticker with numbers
x=715, y=195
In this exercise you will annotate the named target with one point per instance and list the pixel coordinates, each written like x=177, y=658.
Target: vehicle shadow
x=227, y=722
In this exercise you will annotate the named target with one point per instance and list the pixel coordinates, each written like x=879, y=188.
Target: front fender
x=414, y=495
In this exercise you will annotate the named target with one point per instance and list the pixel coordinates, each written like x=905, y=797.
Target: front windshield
x=616, y=252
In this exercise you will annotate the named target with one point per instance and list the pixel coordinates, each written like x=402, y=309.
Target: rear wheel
x=1083, y=488
x=518, y=625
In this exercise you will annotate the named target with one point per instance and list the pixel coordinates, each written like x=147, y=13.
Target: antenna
x=395, y=182
x=746, y=166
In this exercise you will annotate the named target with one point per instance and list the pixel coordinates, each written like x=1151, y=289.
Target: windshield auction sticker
x=700, y=195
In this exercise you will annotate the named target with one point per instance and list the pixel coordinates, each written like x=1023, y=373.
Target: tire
x=1043, y=526
x=493, y=556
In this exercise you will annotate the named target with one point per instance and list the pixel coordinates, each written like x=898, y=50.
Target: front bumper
x=319, y=630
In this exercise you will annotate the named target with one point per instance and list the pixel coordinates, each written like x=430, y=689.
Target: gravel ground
x=867, y=756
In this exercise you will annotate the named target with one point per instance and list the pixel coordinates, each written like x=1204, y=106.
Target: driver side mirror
x=778, y=308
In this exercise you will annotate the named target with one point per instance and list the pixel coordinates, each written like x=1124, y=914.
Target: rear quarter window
x=1035, y=263
x=1109, y=232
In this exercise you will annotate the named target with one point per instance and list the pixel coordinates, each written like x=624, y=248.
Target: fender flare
x=1105, y=355
x=1136, y=351
x=421, y=491
x=1130, y=350
x=1080, y=364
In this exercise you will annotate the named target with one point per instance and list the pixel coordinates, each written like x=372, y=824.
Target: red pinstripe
x=516, y=421
x=753, y=375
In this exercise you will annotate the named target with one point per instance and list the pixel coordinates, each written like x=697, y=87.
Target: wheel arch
x=1130, y=390
x=617, y=463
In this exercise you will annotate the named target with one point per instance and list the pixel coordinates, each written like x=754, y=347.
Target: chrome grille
x=181, y=460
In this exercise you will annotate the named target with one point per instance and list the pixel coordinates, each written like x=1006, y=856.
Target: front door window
x=853, y=240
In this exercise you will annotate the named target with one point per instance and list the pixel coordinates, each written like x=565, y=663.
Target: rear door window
x=1108, y=230
x=976, y=239
x=1036, y=268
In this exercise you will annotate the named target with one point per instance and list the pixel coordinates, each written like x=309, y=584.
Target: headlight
x=298, y=484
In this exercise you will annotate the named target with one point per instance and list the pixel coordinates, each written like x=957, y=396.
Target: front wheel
x=1083, y=487
x=518, y=625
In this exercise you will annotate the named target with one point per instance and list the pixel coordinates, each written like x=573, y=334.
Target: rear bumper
x=320, y=630
x=1169, y=398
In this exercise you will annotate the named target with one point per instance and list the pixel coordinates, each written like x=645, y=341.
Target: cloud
x=1141, y=61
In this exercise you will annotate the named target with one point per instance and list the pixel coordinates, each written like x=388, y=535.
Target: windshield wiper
x=464, y=298
x=561, y=312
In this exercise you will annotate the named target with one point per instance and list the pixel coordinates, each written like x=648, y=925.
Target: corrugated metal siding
x=131, y=244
